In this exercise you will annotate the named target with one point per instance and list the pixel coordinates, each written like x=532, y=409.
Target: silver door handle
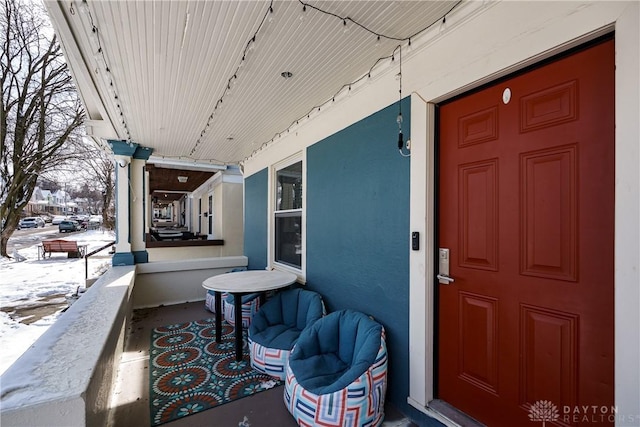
x=445, y=280
x=443, y=267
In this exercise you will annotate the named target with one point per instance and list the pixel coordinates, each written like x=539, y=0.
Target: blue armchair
x=337, y=372
x=276, y=327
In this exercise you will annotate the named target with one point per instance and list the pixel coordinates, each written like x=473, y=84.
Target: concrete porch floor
x=131, y=391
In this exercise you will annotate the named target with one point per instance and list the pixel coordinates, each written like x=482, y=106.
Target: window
x=288, y=216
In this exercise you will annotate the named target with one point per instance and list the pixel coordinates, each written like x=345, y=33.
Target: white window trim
x=272, y=263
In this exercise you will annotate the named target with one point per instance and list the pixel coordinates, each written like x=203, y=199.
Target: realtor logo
x=543, y=410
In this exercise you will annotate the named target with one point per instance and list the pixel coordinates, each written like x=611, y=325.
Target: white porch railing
x=66, y=377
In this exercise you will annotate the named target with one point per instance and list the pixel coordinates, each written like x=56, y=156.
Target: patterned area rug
x=190, y=372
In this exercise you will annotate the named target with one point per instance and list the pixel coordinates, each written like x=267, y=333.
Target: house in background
x=45, y=202
x=38, y=203
x=46, y=196
x=497, y=243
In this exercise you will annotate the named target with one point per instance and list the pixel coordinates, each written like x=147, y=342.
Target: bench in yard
x=71, y=247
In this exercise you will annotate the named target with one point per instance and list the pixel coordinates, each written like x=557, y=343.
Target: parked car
x=68, y=225
x=57, y=219
x=31, y=222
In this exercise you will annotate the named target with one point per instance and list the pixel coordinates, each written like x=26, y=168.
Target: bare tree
x=41, y=115
x=48, y=184
x=99, y=170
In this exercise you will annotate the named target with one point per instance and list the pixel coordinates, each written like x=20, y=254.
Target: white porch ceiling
x=170, y=63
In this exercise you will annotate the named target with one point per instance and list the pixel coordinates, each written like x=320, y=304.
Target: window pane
x=289, y=239
x=289, y=190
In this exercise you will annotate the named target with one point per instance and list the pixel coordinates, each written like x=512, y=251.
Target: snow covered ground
x=32, y=292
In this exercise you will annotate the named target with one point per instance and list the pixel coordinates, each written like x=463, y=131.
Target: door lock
x=443, y=267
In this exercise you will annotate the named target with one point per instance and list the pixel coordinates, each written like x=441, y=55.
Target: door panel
x=549, y=203
x=478, y=215
x=526, y=209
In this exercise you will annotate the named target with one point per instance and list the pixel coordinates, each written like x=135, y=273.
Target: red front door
x=526, y=208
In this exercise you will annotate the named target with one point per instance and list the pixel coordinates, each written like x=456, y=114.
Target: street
x=33, y=236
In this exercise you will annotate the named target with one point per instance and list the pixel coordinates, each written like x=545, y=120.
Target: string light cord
x=344, y=19
x=233, y=77
x=94, y=30
x=401, y=145
x=347, y=18
x=333, y=98
x=113, y=89
x=248, y=46
x=348, y=86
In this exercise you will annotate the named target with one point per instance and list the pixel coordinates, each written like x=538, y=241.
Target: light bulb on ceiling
x=303, y=13
x=98, y=55
x=443, y=24
x=84, y=8
x=270, y=19
x=93, y=39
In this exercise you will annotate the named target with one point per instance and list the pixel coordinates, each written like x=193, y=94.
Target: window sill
x=282, y=267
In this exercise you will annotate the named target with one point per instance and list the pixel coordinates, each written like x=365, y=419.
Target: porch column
x=138, y=205
x=148, y=204
x=188, y=216
x=123, y=255
x=130, y=159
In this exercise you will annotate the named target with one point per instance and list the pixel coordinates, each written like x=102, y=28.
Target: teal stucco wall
x=358, y=230
x=255, y=219
x=358, y=236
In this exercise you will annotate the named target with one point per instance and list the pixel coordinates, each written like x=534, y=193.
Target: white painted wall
x=627, y=214
x=184, y=253
x=229, y=220
x=228, y=199
x=480, y=42
x=175, y=282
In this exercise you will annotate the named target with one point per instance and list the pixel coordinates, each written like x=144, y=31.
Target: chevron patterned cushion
x=210, y=301
x=276, y=327
x=250, y=306
x=210, y=296
x=358, y=403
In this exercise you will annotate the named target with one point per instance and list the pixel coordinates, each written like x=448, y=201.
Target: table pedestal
x=237, y=302
x=239, y=284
